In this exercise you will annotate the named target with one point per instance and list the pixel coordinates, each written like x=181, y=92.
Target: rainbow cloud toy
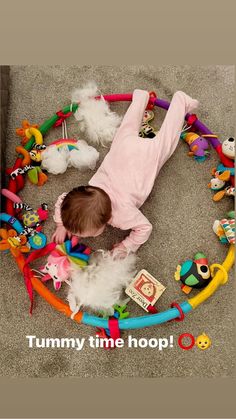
x=65, y=153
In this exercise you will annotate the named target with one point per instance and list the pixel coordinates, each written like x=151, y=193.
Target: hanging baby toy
x=31, y=220
x=226, y=152
x=198, y=144
x=62, y=259
x=225, y=228
x=147, y=130
x=65, y=152
x=193, y=273
x=31, y=161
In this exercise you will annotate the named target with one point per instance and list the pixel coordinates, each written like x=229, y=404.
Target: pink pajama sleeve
x=140, y=233
x=57, y=212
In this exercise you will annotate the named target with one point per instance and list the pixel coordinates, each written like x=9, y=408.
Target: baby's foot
x=193, y=105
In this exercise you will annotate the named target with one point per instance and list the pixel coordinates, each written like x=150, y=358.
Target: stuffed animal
x=228, y=148
x=65, y=153
x=218, y=184
x=62, y=260
x=225, y=171
x=194, y=273
x=199, y=146
x=226, y=152
x=31, y=160
x=146, y=130
x=222, y=168
x=11, y=240
x=225, y=228
x=32, y=220
x=228, y=191
x=57, y=268
x=26, y=131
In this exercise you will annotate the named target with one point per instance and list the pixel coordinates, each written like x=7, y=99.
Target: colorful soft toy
x=146, y=130
x=199, y=146
x=37, y=240
x=26, y=131
x=225, y=171
x=226, y=152
x=32, y=160
x=194, y=273
x=65, y=153
x=225, y=228
x=14, y=242
x=228, y=148
x=222, y=168
x=31, y=220
x=62, y=259
x=228, y=191
x=218, y=184
x=57, y=268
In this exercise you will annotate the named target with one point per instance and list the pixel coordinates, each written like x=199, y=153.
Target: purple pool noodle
x=198, y=124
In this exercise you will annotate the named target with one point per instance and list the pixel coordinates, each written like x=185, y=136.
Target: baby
x=125, y=178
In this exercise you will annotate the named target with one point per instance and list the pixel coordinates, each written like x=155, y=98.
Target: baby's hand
x=60, y=234
x=119, y=251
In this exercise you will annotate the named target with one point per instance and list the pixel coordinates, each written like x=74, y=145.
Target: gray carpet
x=180, y=208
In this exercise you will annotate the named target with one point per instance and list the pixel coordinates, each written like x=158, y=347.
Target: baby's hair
x=85, y=208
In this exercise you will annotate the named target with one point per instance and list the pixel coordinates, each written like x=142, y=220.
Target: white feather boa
x=99, y=285
x=95, y=117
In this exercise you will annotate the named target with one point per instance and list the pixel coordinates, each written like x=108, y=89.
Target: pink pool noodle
x=11, y=195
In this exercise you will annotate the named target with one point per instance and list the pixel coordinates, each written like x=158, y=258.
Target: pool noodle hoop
x=173, y=313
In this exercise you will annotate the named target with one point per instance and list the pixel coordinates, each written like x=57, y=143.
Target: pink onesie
x=130, y=168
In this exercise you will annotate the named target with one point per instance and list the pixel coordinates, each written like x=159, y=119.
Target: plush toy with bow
x=198, y=144
x=62, y=259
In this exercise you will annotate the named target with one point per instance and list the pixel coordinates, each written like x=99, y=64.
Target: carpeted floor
x=180, y=208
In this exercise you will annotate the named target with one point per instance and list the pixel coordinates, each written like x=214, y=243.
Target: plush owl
x=193, y=273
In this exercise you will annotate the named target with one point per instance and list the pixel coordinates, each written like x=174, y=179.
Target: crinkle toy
x=225, y=228
x=198, y=144
x=193, y=273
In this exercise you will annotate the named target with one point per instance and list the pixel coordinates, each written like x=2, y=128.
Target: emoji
x=203, y=341
x=191, y=341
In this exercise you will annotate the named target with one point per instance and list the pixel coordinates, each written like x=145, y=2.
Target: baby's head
x=85, y=211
